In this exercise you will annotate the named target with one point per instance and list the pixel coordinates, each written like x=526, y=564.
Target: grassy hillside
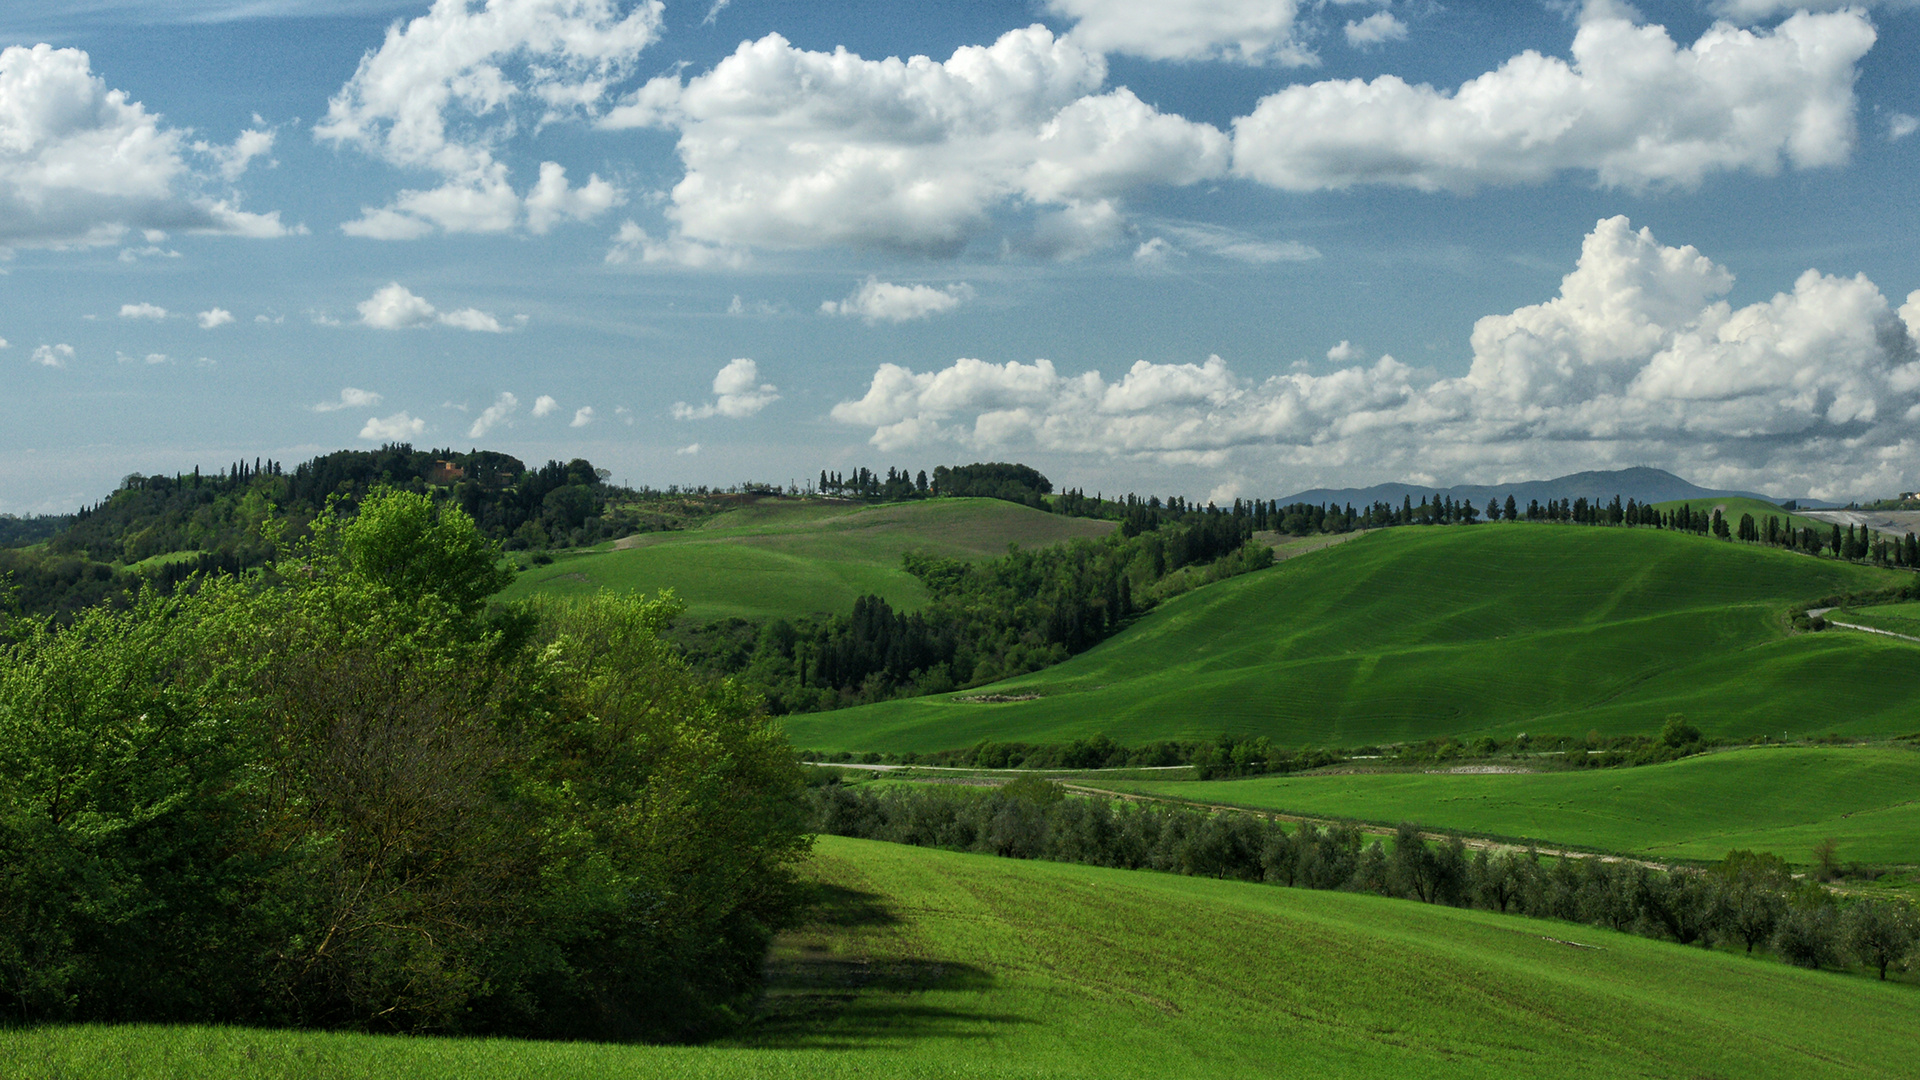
x=1893, y=618
x=797, y=556
x=1779, y=799
x=928, y=963
x=1410, y=633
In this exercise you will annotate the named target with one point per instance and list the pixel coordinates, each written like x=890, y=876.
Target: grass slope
x=1779, y=799
x=1731, y=509
x=933, y=964
x=1893, y=618
x=785, y=556
x=1410, y=633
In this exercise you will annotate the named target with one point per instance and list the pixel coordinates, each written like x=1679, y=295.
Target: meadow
x=1893, y=618
x=924, y=963
x=1779, y=799
x=1407, y=634
x=786, y=557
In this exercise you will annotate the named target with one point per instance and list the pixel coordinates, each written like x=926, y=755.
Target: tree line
x=351, y=792
x=984, y=621
x=1747, y=901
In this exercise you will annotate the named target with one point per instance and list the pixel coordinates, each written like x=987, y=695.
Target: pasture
x=1779, y=799
x=1407, y=634
x=787, y=556
x=926, y=963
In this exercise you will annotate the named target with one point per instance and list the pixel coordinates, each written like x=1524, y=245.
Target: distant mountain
x=1640, y=484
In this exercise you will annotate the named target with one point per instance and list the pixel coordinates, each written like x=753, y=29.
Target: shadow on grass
x=831, y=987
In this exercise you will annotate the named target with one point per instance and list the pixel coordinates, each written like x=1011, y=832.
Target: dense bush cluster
x=1746, y=901
x=352, y=794
x=1224, y=756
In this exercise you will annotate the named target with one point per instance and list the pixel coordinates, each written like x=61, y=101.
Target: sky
x=1218, y=249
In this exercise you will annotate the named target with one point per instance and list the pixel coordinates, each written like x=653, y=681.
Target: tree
x=1880, y=932
x=1677, y=733
x=1512, y=509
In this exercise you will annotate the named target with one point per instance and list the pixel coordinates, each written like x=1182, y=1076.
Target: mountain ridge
x=1640, y=483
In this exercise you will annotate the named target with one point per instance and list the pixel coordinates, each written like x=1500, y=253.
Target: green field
x=784, y=557
x=1779, y=799
x=1893, y=618
x=927, y=963
x=1410, y=633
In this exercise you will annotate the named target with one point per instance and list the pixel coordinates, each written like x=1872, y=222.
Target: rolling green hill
x=1779, y=799
x=1411, y=633
x=927, y=963
x=784, y=556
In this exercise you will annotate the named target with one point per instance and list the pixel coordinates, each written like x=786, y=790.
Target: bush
x=359, y=798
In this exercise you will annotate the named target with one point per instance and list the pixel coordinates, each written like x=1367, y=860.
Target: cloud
x=544, y=405
x=738, y=394
x=494, y=415
x=448, y=87
x=1900, y=125
x=632, y=244
x=81, y=165
x=1238, y=246
x=350, y=398
x=1154, y=252
x=1748, y=12
x=789, y=148
x=213, y=317
x=623, y=414
x=1638, y=359
x=688, y=450
x=1631, y=107
x=395, y=307
x=396, y=428
x=877, y=301
x=1344, y=352
x=1376, y=29
x=142, y=311
x=52, y=355
x=234, y=160
x=582, y=416
x=1241, y=31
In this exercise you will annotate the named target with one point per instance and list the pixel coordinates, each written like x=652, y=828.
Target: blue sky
x=1236, y=248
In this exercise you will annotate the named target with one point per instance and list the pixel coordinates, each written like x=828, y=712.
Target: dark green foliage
x=350, y=795
x=1746, y=900
x=986, y=621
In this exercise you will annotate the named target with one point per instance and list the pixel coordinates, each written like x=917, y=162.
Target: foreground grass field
x=784, y=557
x=1411, y=633
x=1779, y=799
x=926, y=963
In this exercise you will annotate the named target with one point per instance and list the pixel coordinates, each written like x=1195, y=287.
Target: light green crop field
x=1779, y=799
x=1893, y=618
x=1411, y=633
x=785, y=557
x=927, y=963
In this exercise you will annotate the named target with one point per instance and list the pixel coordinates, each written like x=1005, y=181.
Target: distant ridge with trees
x=1641, y=484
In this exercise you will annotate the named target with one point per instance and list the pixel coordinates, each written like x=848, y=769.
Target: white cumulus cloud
x=142, y=311
x=1637, y=359
x=882, y=301
x=688, y=450
x=632, y=244
x=582, y=416
x=52, y=355
x=1900, y=125
x=399, y=427
x=395, y=307
x=789, y=148
x=350, y=398
x=1344, y=352
x=737, y=394
x=494, y=415
x=545, y=405
x=213, y=317
x=81, y=164
x=1632, y=107
x=1376, y=29
x=1243, y=31
x=446, y=88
